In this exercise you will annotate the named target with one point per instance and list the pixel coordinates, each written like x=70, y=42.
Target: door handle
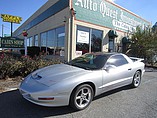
x=130, y=69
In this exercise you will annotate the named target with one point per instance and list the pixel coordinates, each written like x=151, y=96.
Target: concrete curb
x=150, y=69
x=8, y=89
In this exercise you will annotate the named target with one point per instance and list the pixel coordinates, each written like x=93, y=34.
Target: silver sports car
x=77, y=82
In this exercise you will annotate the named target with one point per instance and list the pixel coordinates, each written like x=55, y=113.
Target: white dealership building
x=70, y=28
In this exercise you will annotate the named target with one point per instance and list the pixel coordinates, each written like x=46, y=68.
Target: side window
x=117, y=60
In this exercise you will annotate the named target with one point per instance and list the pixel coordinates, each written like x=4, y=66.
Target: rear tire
x=81, y=97
x=136, y=79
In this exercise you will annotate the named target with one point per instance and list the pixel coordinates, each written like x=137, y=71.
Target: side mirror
x=109, y=68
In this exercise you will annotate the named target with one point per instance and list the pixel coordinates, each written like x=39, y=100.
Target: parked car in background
x=77, y=82
x=154, y=58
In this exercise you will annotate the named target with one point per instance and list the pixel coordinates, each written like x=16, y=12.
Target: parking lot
x=120, y=103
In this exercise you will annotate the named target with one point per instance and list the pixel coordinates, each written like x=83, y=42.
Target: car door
x=116, y=73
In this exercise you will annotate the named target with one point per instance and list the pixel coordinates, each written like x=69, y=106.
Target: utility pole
x=11, y=29
x=2, y=29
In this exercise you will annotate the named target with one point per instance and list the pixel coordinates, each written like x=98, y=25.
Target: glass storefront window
x=30, y=41
x=54, y=40
x=60, y=37
x=43, y=39
x=111, y=45
x=36, y=40
x=88, y=40
x=51, y=39
x=96, y=42
x=83, y=38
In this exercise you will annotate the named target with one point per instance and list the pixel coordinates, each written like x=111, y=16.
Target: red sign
x=24, y=33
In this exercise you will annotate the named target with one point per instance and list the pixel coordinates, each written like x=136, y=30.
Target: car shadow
x=13, y=105
x=112, y=92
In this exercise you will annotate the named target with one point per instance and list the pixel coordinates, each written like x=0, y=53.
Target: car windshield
x=89, y=61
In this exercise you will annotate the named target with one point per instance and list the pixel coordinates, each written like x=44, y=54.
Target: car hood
x=56, y=73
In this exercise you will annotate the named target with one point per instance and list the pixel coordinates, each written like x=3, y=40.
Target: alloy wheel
x=82, y=97
x=137, y=79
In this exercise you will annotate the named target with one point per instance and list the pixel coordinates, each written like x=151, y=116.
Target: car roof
x=108, y=54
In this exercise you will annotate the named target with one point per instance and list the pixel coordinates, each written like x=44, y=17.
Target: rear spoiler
x=136, y=59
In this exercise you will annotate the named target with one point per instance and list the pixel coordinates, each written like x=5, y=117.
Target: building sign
x=106, y=14
x=83, y=37
x=8, y=42
x=10, y=18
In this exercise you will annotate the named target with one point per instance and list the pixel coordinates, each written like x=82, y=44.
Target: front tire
x=136, y=79
x=81, y=97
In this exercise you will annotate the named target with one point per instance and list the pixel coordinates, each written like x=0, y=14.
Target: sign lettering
x=7, y=42
x=103, y=13
x=10, y=18
x=83, y=37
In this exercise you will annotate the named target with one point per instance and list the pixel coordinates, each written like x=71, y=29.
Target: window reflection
x=36, y=40
x=30, y=41
x=117, y=60
x=88, y=40
x=60, y=39
x=54, y=40
x=111, y=45
x=51, y=41
x=83, y=37
x=43, y=39
x=96, y=42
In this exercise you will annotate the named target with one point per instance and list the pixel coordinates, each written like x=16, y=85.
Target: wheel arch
x=139, y=71
x=136, y=71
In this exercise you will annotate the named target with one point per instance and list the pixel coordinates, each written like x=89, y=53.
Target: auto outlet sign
x=107, y=14
x=10, y=18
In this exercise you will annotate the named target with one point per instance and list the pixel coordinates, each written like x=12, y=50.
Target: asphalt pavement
x=124, y=102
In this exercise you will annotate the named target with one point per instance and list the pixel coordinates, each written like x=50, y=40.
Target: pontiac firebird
x=76, y=83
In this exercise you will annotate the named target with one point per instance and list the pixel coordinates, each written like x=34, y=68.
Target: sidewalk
x=9, y=84
x=150, y=69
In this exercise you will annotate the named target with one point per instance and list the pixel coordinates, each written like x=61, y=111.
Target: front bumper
x=59, y=99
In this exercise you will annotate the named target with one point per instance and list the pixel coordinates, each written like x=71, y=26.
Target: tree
x=144, y=43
